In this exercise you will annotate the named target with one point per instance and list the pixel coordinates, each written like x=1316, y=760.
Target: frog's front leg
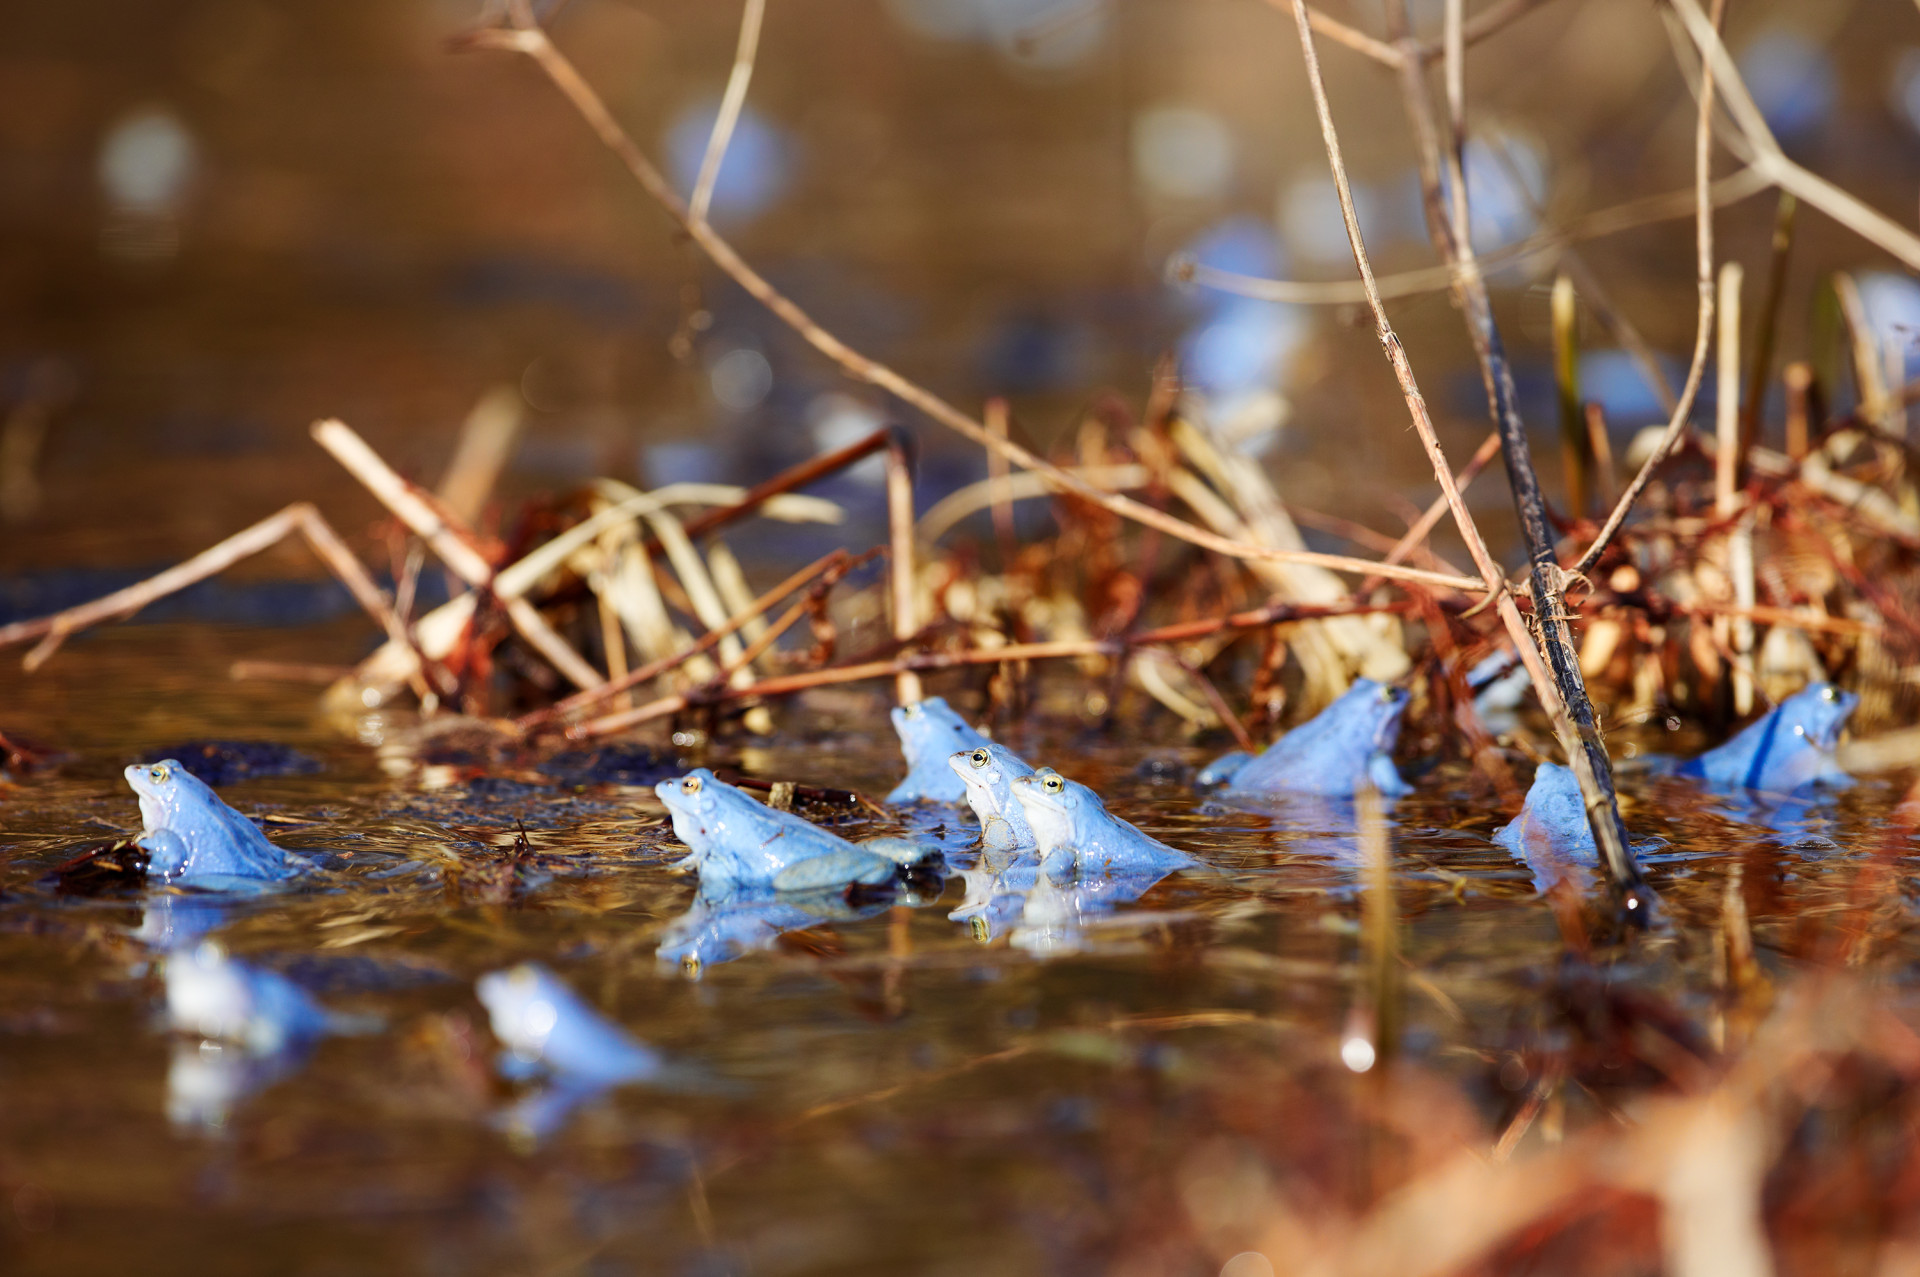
x=167, y=853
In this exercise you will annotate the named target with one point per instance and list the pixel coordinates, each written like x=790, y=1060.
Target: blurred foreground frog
x=191, y=836
x=1788, y=748
x=1069, y=820
x=987, y=773
x=930, y=732
x=735, y=839
x=1345, y=746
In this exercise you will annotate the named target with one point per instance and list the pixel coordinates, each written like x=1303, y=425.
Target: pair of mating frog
x=192, y=836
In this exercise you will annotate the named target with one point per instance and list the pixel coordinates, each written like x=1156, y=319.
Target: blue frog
x=191, y=836
x=930, y=733
x=988, y=773
x=1788, y=748
x=1347, y=745
x=1072, y=826
x=736, y=840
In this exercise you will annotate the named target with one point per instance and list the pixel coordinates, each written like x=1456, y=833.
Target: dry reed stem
x=451, y=543
x=900, y=580
x=527, y=37
x=786, y=684
x=1703, y=323
x=299, y=517
x=1726, y=490
x=729, y=114
x=1646, y=211
x=1563, y=693
x=1763, y=342
x=832, y=564
x=1847, y=209
x=998, y=419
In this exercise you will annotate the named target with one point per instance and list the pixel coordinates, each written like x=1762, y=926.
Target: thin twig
x=1562, y=693
x=528, y=38
x=729, y=113
x=1652, y=209
x=1843, y=207
x=831, y=565
x=451, y=542
x=1703, y=323
x=299, y=517
x=786, y=684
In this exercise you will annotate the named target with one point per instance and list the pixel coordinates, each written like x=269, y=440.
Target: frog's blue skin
x=221, y=998
x=1072, y=826
x=1787, y=749
x=737, y=841
x=987, y=773
x=191, y=836
x=728, y=922
x=1347, y=745
x=1552, y=833
x=930, y=733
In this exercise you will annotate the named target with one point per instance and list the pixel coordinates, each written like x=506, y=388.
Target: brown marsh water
x=889, y=1092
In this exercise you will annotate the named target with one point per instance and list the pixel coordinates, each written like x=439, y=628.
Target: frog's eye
x=1053, y=784
x=913, y=710
x=691, y=785
x=979, y=758
x=1386, y=694
x=161, y=773
x=1829, y=693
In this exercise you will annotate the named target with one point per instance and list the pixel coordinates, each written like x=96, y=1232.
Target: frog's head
x=1062, y=812
x=168, y=793
x=696, y=801
x=1817, y=713
x=1375, y=711
x=929, y=729
x=523, y=1004
x=988, y=774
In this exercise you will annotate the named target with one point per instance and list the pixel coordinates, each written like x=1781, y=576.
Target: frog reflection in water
x=548, y=1031
x=257, y=1026
x=737, y=840
x=1787, y=749
x=1345, y=747
x=1071, y=825
x=930, y=732
x=192, y=836
x=988, y=773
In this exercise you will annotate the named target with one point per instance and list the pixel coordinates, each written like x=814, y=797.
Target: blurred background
x=221, y=219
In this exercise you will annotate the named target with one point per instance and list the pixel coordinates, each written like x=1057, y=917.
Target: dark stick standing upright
x=1546, y=579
